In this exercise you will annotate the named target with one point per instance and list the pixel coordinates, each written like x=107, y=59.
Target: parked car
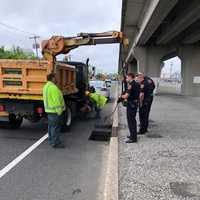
x=101, y=88
x=108, y=83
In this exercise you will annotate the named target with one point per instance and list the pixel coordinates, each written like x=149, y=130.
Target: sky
x=172, y=65
x=66, y=18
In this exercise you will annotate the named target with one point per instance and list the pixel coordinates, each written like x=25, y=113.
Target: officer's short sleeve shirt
x=133, y=91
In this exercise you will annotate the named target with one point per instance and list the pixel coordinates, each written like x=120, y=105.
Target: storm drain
x=185, y=190
x=101, y=132
x=105, y=126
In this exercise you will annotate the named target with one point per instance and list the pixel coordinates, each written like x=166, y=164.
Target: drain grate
x=185, y=190
x=106, y=126
x=101, y=132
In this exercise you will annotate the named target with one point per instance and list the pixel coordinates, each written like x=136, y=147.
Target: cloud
x=63, y=17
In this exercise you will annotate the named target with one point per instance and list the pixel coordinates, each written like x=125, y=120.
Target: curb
x=111, y=181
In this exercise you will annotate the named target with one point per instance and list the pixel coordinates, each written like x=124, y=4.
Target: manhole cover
x=100, y=135
x=185, y=190
x=167, y=153
x=102, y=132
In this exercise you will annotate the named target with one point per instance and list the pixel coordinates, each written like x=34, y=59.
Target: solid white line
x=17, y=160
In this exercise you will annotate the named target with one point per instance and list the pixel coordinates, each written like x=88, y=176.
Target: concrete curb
x=111, y=191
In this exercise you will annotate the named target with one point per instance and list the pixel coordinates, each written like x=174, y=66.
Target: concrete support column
x=133, y=66
x=190, y=57
x=149, y=60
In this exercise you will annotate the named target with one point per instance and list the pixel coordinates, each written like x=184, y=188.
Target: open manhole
x=104, y=126
x=185, y=190
x=101, y=132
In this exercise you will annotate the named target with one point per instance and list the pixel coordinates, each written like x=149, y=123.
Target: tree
x=15, y=53
x=101, y=76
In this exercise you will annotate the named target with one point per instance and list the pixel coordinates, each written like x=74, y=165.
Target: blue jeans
x=54, y=128
x=98, y=111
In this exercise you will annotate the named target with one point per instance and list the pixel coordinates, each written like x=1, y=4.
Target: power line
x=16, y=29
x=25, y=33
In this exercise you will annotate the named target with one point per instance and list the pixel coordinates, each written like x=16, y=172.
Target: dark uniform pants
x=144, y=112
x=131, y=119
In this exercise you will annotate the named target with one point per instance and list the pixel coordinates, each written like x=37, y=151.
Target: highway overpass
x=159, y=30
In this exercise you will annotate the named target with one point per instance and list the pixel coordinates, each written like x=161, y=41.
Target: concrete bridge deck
x=165, y=167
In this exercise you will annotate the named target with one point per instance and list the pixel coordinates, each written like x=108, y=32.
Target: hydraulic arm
x=62, y=45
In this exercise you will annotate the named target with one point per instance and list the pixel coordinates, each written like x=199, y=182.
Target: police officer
x=147, y=87
x=132, y=97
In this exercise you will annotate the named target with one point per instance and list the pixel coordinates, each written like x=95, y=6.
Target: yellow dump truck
x=22, y=81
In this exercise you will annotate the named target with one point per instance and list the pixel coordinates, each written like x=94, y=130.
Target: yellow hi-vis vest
x=53, y=99
x=99, y=100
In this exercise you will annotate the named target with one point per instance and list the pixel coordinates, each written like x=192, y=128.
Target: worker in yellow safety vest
x=54, y=105
x=98, y=100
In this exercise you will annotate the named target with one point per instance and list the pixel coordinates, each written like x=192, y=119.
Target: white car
x=101, y=88
x=108, y=83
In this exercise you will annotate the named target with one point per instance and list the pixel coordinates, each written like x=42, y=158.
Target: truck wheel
x=67, y=119
x=14, y=121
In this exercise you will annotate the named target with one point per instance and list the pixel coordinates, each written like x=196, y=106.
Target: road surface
x=76, y=172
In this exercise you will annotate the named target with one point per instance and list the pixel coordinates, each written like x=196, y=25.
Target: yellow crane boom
x=62, y=45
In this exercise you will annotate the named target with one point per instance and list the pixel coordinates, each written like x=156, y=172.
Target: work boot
x=59, y=146
x=141, y=132
x=131, y=141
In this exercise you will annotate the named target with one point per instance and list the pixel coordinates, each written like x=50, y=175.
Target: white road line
x=17, y=160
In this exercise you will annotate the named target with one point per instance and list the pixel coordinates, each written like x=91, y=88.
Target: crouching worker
x=54, y=105
x=99, y=101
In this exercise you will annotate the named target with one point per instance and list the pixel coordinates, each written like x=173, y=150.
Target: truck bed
x=24, y=79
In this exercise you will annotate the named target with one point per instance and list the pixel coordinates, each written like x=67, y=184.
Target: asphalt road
x=76, y=172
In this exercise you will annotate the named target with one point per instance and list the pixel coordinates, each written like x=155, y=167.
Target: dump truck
x=22, y=81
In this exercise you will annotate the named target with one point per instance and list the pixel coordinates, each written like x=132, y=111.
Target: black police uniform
x=132, y=106
x=147, y=87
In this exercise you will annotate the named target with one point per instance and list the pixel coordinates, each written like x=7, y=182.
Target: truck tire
x=67, y=119
x=14, y=121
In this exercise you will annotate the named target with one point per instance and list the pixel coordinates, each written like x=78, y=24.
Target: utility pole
x=35, y=46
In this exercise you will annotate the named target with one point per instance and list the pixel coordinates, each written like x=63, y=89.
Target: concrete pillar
x=190, y=57
x=149, y=60
x=133, y=66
